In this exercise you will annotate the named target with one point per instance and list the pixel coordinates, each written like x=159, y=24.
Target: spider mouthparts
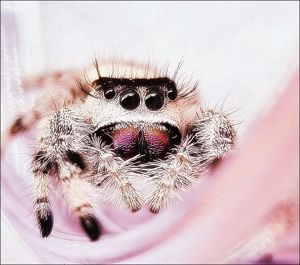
x=150, y=140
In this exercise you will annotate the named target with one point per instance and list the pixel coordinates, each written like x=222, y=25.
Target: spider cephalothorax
x=132, y=116
x=132, y=126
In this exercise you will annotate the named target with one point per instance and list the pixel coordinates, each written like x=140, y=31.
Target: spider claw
x=45, y=223
x=91, y=226
x=154, y=210
x=136, y=209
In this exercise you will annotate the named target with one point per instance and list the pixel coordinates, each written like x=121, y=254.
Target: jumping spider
x=112, y=128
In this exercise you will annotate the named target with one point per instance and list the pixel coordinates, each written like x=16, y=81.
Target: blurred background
x=239, y=51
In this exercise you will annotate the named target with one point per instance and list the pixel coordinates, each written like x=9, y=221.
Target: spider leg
x=175, y=173
x=210, y=138
x=56, y=79
x=41, y=168
x=79, y=194
x=115, y=177
x=62, y=148
x=214, y=136
x=63, y=90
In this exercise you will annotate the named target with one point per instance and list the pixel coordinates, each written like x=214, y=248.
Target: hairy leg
x=115, y=176
x=60, y=89
x=41, y=168
x=211, y=137
x=55, y=79
x=171, y=176
x=214, y=136
x=61, y=152
x=79, y=195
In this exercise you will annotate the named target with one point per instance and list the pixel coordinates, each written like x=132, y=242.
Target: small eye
x=130, y=99
x=109, y=93
x=172, y=93
x=154, y=100
x=175, y=135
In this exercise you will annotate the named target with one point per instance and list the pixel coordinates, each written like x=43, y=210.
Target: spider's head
x=146, y=116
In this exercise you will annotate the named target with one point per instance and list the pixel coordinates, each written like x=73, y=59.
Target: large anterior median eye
x=154, y=100
x=129, y=99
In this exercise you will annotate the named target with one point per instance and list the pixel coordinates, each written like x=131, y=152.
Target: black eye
x=172, y=93
x=109, y=93
x=130, y=99
x=154, y=100
x=175, y=135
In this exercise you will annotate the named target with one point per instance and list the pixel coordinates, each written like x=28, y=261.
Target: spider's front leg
x=114, y=176
x=62, y=152
x=209, y=139
x=170, y=176
x=60, y=88
x=214, y=136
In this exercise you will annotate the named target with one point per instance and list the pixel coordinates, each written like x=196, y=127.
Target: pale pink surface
x=245, y=190
x=228, y=208
x=219, y=213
